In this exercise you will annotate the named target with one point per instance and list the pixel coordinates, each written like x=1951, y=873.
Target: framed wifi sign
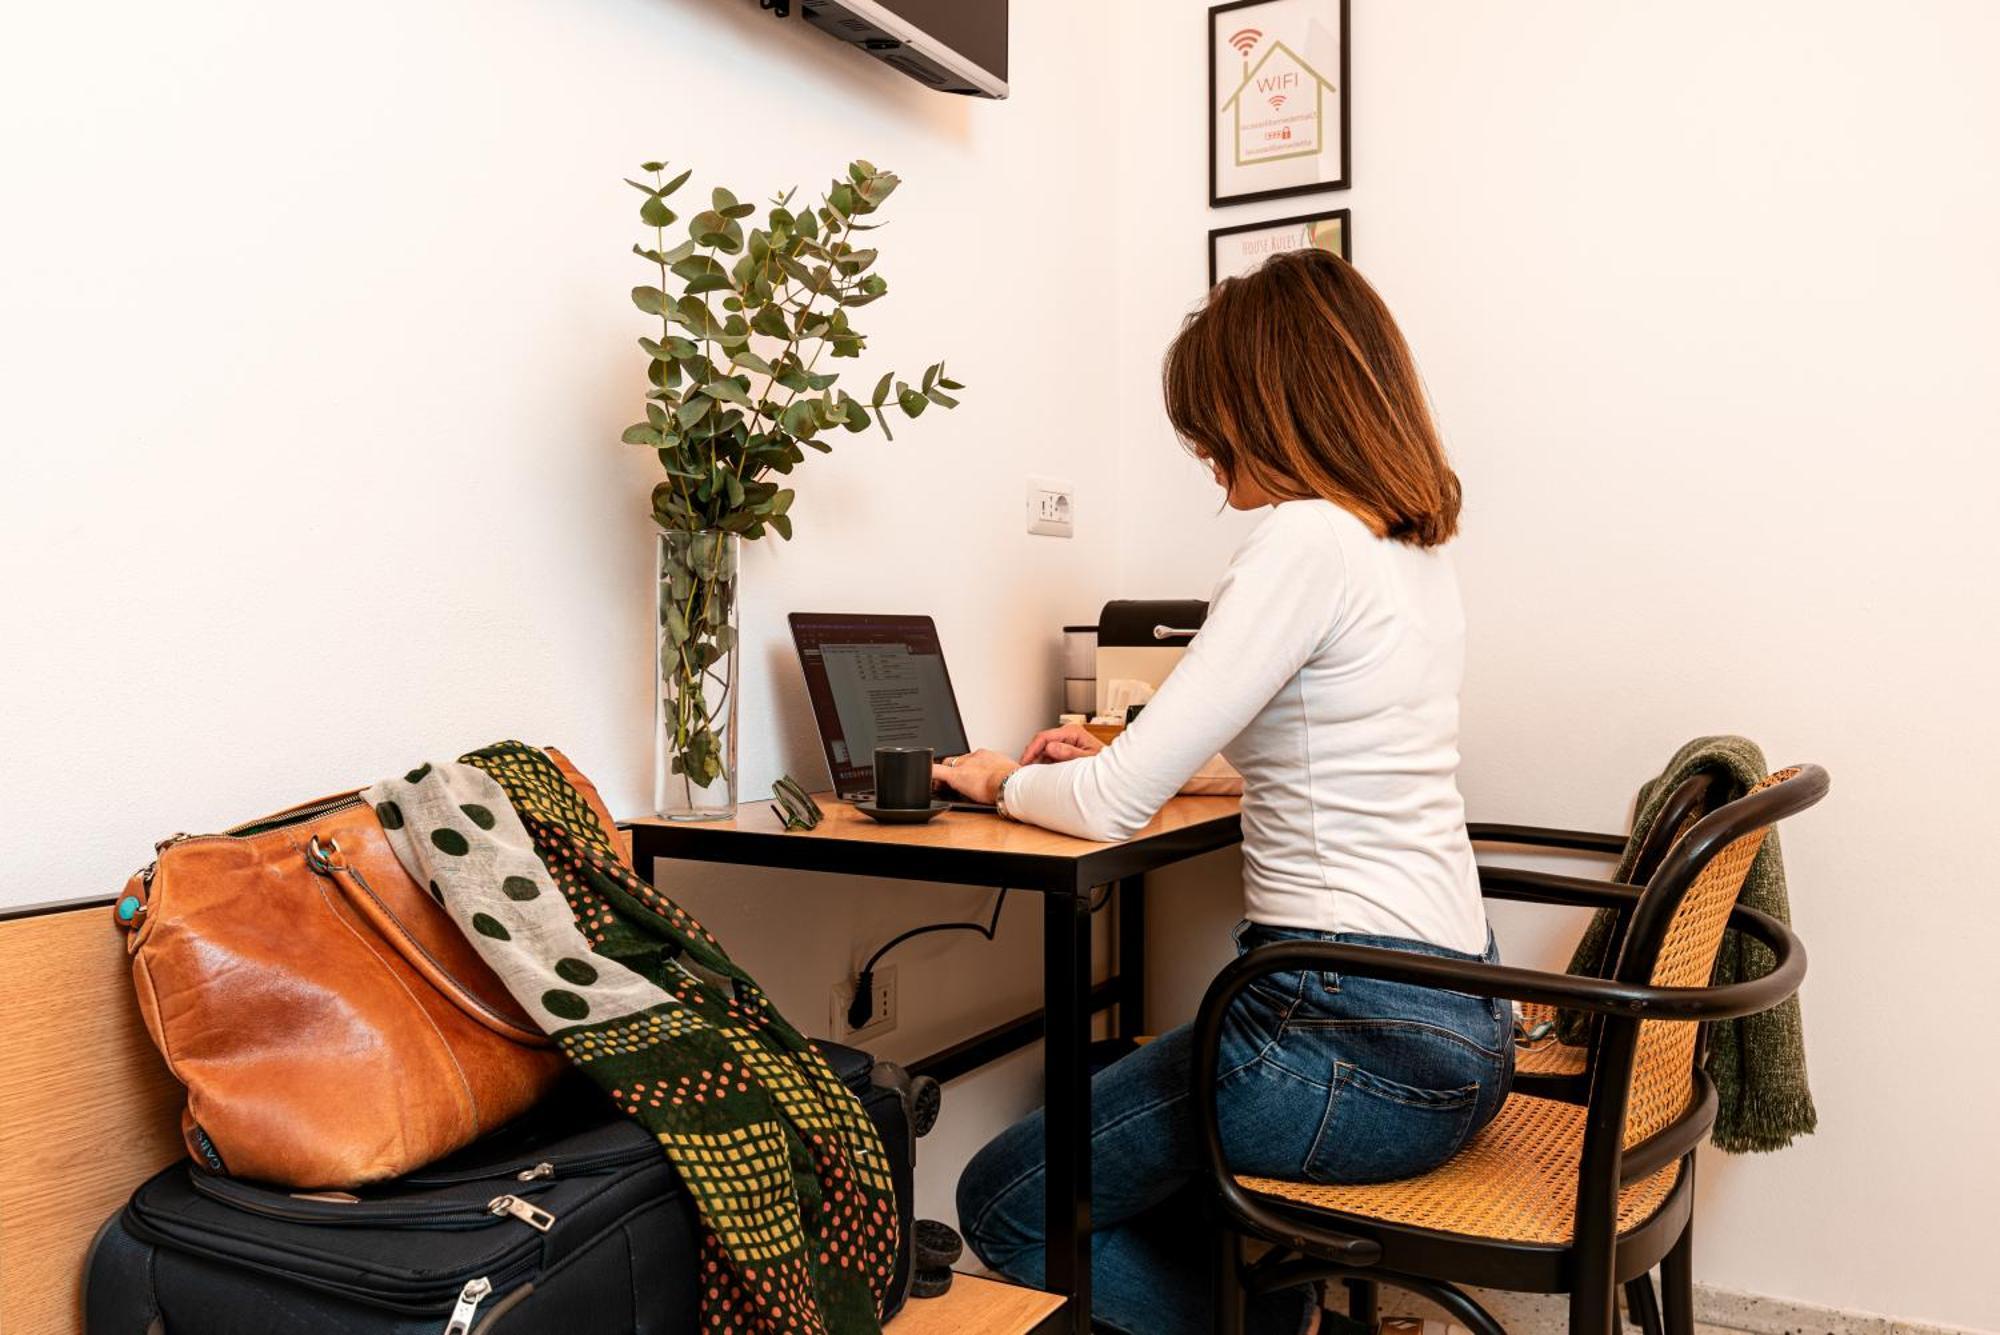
x=1277, y=99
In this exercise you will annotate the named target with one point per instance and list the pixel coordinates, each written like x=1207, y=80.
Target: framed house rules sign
x=1277, y=72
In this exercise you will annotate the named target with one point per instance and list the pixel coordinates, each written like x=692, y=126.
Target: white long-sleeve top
x=1328, y=673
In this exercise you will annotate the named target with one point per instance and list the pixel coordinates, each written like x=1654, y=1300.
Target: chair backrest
x=1663, y=1064
x=1676, y=933
x=1691, y=799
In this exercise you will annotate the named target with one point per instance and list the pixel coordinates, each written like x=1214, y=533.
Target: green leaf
x=708, y=282
x=729, y=391
x=782, y=526
x=940, y=398
x=857, y=415
x=697, y=266
x=745, y=357
x=650, y=300
x=652, y=167
x=799, y=421
x=881, y=394
x=770, y=321
x=694, y=313
x=693, y=410
x=672, y=462
x=676, y=183
x=655, y=213
x=912, y=403
x=641, y=434
x=708, y=228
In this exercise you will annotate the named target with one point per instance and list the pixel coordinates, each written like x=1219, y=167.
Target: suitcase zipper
x=514, y=1207
x=328, y=1209
x=566, y=1166
x=469, y=1298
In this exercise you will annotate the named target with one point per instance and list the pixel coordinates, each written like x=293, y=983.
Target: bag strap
x=325, y=858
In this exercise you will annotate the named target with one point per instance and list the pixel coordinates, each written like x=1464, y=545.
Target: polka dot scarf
x=787, y=1173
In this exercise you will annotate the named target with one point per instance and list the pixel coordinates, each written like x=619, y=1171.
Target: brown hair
x=1294, y=377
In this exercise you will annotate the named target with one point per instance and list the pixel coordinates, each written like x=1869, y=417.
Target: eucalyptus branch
x=716, y=421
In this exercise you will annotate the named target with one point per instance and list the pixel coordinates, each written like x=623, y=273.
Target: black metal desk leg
x=1066, y=1125
x=1132, y=957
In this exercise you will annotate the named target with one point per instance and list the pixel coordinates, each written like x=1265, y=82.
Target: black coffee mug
x=903, y=777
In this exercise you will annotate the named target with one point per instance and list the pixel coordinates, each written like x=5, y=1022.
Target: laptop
x=877, y=681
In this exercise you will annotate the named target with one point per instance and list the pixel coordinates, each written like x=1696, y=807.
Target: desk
x=977, y=848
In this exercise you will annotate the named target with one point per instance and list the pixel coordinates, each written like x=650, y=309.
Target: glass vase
x=695, y=722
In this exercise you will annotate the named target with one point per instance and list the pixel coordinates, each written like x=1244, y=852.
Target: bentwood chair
x=1551, y=1196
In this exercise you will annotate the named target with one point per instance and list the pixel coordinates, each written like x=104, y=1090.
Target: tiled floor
x=1520, y=1313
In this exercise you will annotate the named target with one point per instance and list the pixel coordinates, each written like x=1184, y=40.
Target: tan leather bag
x=331, y=1024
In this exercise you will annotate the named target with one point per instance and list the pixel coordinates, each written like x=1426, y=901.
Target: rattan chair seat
x=1551, y=1058
x=1546, y=1056
x=1516, y=1182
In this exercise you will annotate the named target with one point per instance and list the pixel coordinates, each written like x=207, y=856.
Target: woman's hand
x=1072, y=741
x=976, y=776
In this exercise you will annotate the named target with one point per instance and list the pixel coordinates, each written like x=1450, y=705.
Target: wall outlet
x=881, y=1022
x=1051, y=507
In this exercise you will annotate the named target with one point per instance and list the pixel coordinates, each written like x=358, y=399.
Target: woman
x=1328, y=674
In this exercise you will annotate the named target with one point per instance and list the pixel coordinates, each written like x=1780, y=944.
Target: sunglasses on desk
x=794, y=805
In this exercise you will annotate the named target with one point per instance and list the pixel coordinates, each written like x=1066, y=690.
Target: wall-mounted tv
x=954, y=46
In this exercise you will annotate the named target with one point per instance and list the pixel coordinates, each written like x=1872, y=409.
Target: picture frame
x=1233, y=251
x=1278, y=102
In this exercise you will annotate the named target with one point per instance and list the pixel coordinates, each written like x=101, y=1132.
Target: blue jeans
x=1322, y=1077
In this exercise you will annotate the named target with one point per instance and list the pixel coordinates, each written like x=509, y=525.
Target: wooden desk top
x=961, y=847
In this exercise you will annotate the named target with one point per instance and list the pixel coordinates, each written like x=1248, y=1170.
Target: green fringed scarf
x=789, y=1178
x=1758, y=1063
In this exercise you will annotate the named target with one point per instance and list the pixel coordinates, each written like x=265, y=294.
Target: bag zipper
x=514, y=1207
x=543, y=1170
x=326, y=1209
x=263, y=825
x=467, y=1307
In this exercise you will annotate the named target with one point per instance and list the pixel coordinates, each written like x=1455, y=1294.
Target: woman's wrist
x=1000, y=793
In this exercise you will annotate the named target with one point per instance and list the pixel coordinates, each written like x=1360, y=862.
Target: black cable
x=861, y=1008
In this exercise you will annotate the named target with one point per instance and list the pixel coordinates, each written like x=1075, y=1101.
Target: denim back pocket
x=1377, y=1130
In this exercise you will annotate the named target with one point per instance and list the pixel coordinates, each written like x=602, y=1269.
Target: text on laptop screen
x=877, y=681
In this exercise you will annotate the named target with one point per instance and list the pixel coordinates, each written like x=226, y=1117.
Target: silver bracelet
x=1000, y=795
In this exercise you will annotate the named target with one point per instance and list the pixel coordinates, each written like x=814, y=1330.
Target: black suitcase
x=569, y=1220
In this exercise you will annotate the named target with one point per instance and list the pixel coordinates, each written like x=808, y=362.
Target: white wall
x=317, y=347
x=1705, y=295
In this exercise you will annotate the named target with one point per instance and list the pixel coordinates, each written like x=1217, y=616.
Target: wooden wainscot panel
x=87, y=1108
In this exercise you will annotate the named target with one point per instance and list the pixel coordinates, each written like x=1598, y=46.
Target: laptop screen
x=876, y=681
